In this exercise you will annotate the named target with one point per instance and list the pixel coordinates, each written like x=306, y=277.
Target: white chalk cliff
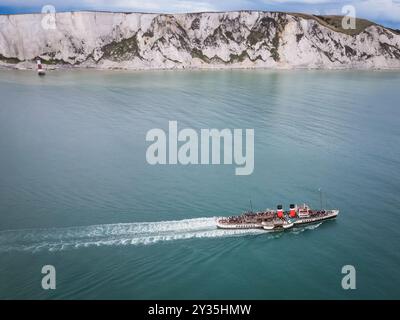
x=245, y=39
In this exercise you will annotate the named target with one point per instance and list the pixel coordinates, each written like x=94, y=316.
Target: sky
x=386, y=12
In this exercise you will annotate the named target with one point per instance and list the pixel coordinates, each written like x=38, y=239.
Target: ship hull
x=304, y=221
x=242, y=226
x=239, y=226
x=279, y=228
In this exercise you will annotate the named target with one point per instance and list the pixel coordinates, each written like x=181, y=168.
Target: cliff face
x=195, y=40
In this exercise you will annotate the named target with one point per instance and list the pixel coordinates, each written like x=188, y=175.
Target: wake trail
x=120, y=234
x=141, y=233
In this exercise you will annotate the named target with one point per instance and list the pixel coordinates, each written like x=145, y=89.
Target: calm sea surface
x=76, y=191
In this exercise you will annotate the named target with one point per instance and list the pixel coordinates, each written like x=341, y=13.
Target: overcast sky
x=386, y=12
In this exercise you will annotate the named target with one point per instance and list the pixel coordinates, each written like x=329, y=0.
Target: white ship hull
x=239, y=225
x=307, y=220
x=274, y=228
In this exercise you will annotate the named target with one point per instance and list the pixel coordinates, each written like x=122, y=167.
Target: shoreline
x=205, y=68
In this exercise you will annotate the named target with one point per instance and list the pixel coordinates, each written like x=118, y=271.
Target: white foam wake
x=143, y=233
x=300, y=229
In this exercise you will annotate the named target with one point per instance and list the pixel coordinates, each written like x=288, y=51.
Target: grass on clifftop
x=335, y=23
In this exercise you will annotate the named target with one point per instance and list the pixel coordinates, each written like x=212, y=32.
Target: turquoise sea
x=77, y=193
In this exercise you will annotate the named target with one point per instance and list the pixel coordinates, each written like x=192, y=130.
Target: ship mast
x=320, y=197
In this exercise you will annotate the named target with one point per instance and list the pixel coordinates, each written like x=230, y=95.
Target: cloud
x=386, y=10
x=153, y=6
x=302, y=2
x=117, y=5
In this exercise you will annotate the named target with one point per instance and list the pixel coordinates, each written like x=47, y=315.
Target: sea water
x=77, y=193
